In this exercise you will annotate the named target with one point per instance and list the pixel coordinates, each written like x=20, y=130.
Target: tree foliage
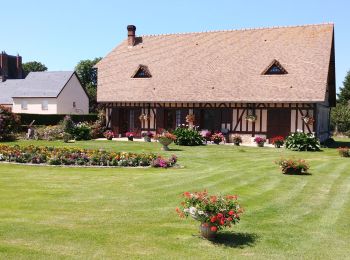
x=344, y=95
x=88, y=78
x=340, y=118
x=33, y=66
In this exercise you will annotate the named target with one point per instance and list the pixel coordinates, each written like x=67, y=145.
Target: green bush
x=301, y=141
x=82, y=131
x=188, y=137
x=68, y=125
x=9, y=123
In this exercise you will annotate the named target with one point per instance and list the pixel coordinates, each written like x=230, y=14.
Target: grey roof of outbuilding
x=43, y=84
x=7, y=89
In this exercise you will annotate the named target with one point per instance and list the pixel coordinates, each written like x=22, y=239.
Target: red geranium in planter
x=277, y=141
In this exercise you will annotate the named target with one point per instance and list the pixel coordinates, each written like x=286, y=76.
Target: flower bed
x=81, y=157
x=291, y=166
x=212, y=211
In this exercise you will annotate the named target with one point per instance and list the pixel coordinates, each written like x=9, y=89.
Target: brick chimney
x=131, y=35
x=19, y=67
x=3, y=66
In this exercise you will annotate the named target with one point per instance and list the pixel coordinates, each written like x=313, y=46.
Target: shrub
x=188, y=137
x=212, y=211
x=76, y=156
x=344, y=151
x=54, y=119
x=49, y=133
x=82, y=131
x=68, y=125
x=66, y=137
x=301, y=141
x=9, y=124
x=99, y=126
x=291, y=166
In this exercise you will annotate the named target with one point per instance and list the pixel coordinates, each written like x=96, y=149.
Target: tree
x=33, y=66
x=88, y=78
x=344, y=95
x=340, y=118
x=9, y=124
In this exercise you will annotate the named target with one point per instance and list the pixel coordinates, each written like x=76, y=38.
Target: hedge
x=54, y=119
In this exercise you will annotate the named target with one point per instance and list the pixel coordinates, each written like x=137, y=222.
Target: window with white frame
x=45, y=105
x=24, y=105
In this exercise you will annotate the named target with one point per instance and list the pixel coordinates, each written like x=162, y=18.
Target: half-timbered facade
x=266, y=82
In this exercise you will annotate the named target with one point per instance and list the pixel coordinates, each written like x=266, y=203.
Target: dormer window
x=275, y=68
x=142, y=72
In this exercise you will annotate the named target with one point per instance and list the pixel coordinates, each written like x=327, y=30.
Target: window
x=74, y=105
x=142, y=72
x=45, y=105
x=275, y=68
x=24, y=105
x=178, y=118
x=131, y=120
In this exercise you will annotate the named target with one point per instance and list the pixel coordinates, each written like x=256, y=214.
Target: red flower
x=205, y=224
x=213, y=199
x=220, y=215
x=213, y=228
x=229, y=219
x=231, y=212
x=213, y=219
x=187, y=194
x=222, y=222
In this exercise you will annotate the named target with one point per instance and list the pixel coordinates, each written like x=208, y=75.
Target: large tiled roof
x=221, y=66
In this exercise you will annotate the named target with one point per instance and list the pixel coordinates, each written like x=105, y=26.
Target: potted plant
x=344, y=151
x=147, y=136
x=165, y=139
x=309, y=120
x=217, y=138
x=206, y=134
x=251, y=118
x=130, y=135
x=260, y=141
x=212, y=211
x=277, y=141
x=292, y=166
x=237, y=140
x=190, y=118
x=108, y=134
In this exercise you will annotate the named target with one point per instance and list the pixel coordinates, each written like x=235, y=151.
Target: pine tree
x=344, y=95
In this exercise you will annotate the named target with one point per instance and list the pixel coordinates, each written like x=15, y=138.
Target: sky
x=60, y=33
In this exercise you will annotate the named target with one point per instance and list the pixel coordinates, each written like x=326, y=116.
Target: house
x=10, y=67
x=266, y=81
x=58, y=92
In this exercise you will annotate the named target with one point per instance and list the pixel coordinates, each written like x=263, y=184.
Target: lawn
x=54, y=212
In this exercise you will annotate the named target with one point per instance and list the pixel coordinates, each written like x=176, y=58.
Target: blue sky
x=60, y=33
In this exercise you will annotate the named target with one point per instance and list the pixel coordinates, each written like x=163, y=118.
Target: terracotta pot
x=206, y=231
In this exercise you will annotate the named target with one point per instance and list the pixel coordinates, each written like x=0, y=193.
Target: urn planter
x=130, y=138
x=206, y=232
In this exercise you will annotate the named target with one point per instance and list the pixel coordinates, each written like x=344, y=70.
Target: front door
x=278, y=122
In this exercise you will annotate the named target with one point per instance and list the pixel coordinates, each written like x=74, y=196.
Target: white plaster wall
x=73, y=92
x=34, y=105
